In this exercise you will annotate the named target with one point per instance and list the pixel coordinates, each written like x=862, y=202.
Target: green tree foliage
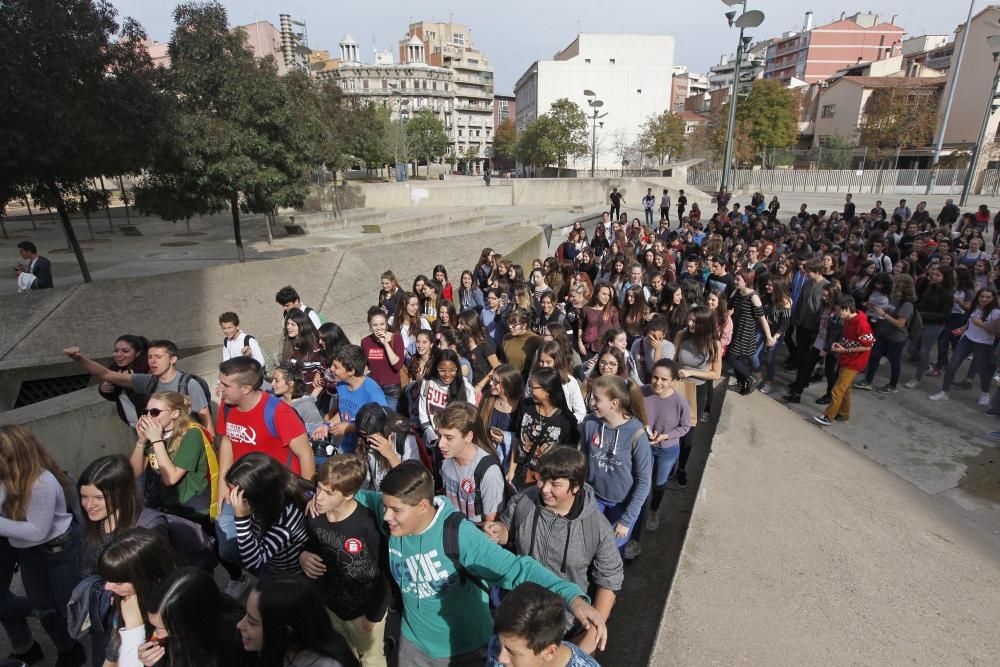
x=836, y=153
x=664, y=135
x=535, y=145
x=81, y=101
x=427, y=136
x=505, y=144
x=240, y=137
x=570, y=139
x=896, y=119
x=766, y=119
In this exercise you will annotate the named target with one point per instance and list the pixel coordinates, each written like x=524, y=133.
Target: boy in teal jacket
x=446, y=619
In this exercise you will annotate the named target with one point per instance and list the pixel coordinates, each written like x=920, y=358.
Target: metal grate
x=33, y=391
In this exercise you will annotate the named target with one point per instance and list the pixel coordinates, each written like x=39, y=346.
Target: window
x=364, y=84
x=829, y=110
x=638, y=91
x=586, y=60
x=611, y=60
x=824, y=140
x=458, y=39
x=460, y=133
x=472, y=61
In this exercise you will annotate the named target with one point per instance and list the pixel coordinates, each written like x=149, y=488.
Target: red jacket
x=857, y=333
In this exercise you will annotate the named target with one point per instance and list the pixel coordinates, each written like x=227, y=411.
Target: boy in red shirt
x=852, y=353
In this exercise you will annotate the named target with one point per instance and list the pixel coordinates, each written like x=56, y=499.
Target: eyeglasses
x=608, y=364
x=152, y=412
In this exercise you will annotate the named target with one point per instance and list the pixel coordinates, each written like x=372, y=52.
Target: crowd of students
x=465, y=482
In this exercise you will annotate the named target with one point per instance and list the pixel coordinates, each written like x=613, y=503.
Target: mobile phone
x=956, y=332
x=496, y=431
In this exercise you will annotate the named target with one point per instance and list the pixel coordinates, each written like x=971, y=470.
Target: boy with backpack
x=343, y=553
x=163, y=376
x=471, y=474
x=236, y=343
x=440, y=562
x=557, y=522
x=289, y=299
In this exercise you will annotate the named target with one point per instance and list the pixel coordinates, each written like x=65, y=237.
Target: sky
x=515, y=33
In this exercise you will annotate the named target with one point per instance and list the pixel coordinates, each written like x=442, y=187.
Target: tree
x=81, y=100
x=896, y=118
x=535, y=145
x=570, y=132
x=505, y=144
x=836, y=153
x=766, y=119
x=621, y=146
x=427, y=136
x=241, y=138
x=664, y=135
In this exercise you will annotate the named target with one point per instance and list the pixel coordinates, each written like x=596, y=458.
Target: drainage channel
x=635, y=621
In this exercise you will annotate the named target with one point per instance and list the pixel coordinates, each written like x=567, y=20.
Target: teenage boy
x=237, y=343
x=648, y=202
x=652, y=347
x=458, y=427
x=251, y=421
x=852, y=352
x=883, y=263
x=805, y=316
x=446, y=613
x=528, y=633
x=38, y=266
x=354, y=389
x=665, y=208
x=682, y=202
x=163, y=376
x=719, y=280
x=343, y=554
x=558, y=523
x=616, y=203
x=289, y=299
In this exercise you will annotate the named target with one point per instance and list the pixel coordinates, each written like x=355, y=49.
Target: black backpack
x=182, y=387
x=452, y=523
x=482, y=467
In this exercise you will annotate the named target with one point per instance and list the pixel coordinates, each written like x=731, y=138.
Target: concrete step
x=320, y=221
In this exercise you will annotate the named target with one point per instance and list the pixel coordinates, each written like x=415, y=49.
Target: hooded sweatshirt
x=619, y=471
x=442, y=614
x=579, y=547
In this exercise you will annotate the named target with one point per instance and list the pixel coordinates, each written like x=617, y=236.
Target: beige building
x=840, y=105
x=449, y=45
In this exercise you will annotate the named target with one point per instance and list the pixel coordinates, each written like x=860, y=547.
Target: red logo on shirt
x=468, y=486
x=596, y=440
x=353, y=546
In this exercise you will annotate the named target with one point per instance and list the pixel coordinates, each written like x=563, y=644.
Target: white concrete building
x=631, y=74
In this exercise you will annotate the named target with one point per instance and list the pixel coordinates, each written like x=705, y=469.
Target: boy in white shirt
x=237, y=343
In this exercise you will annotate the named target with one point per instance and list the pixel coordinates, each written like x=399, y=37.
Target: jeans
x=840, y=397
x=947, y=340
x=704, y=390
x=742, y=366
x=830, y=369
x=928, y=339
x=612, y=512
x=225, y=533
x=49, y=578
x=649, y=217
x=13, y=608
x=664, y=460
x=886, y=348
x=771, y=358
x=982, y=363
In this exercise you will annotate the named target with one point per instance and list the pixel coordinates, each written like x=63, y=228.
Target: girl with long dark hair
x=481, y=351
x=127, y=356
x=698, y=353
x=499, y=409
x=384, y=440
x=545, y=423
x=407, y=321
x=389, y=295
x=193, y=624
x=301, y=346
x=287, y=625
x=598, y=317
x=324, y=384
x=977, y=338
x=470, y=297
x=268, y=502
x=442, y=384
x=550, y=355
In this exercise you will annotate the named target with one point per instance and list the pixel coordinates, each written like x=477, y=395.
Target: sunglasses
x=152, y=412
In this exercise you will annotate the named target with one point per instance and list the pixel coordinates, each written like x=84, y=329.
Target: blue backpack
x=271, y=403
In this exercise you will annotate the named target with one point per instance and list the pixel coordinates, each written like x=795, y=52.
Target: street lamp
x=748, y=19
x=596, y=105
x=991, y=108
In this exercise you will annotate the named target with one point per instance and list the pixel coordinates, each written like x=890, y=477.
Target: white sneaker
x=940, y=396
x=237, y=587
x=912, y=383
x=652, y=521
x=984, y=399
x=632, y=550
x=765, y=388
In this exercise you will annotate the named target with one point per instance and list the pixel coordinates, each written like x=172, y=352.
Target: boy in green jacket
x=446, y=617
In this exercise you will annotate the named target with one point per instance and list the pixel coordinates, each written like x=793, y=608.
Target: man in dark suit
x=39, y=266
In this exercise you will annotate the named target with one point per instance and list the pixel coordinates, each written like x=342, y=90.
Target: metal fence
x=900, y=181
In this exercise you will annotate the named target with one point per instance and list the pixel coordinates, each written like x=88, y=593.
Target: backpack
x=322, y=318
x=270, y=363
x=452, y=523
x=482, y=467
x=915, y=326
x=213, y=471
x=182, y=388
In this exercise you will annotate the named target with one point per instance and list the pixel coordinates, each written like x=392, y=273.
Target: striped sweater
x=278, y=549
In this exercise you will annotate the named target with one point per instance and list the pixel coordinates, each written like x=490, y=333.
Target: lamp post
x=991, y=107
x=748, y=19
x=596, y=105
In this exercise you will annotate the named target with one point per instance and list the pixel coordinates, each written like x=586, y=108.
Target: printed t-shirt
x=248, y=432
x=460, y=486
x=350, y=402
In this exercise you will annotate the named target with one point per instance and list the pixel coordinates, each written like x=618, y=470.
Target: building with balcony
x=504, y=107
x=816, y=54
x=631, y=74
x=685, y=85
x=450, y=46
x=751, y=68
x=262, y=38
x=402, y=88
